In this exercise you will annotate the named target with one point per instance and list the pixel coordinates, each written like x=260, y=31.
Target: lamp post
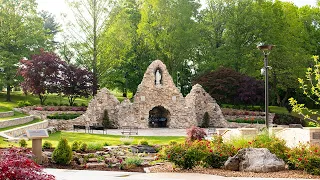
x=266, y=51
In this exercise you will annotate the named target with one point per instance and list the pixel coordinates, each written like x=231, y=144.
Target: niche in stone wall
x=158, y=117
x=158, y=76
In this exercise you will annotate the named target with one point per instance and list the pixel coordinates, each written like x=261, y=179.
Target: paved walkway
x=63, y=174
x=146, y=132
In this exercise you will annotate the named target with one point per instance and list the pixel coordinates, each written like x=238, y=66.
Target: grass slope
x=110, y=139
x=16, y=115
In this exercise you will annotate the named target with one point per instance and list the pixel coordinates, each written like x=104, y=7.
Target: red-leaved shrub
x=196, y=133
x=15, y=163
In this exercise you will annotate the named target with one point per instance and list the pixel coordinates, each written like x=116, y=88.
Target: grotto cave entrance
x=158, y=117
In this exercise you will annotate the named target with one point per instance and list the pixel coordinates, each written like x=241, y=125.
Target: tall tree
x=169, y=28
x=42, y=74
x=21, y=33
x=90, y=17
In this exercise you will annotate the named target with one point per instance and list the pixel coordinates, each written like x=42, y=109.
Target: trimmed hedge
x=64, y=116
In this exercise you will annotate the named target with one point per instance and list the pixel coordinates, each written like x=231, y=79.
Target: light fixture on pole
x=266, y=51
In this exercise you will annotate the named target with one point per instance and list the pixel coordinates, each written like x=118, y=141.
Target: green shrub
x=305, y=157
x=275, y=145
x=83, y=104
x=23, y=143
x=55, y=103
x=95, y=146
x=76, y=146
x=84, y=147
x=172, y=142
x=205, y=121
x=106, y=121
x=126, y=140
x=215, y=159
x=248, y=120
x=24, y=103
x=75, y=104
x=47, y=145
x=62, y=154
x=286, y=119
x=106, y=144
x=185, y=155
x=64, y=116
x=133, y=161
x=143, y=142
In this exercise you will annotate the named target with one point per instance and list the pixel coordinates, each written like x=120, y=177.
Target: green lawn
x=11, y=127
x=52, y=98
x=4, y=144
x=16, y=115
x=99, y=138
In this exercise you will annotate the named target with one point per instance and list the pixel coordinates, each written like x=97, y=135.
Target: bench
x=129, y=130
x=96, y=127
x=212, y=131
x=77, y=127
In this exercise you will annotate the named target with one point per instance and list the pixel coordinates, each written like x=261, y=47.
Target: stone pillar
x=37, y=150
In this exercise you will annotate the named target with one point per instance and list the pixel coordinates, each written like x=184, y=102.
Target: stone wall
x=201, y=102
x=16, y=121
x=150, y=95
x=180, y=112
x=6, y=114
x=16, y=132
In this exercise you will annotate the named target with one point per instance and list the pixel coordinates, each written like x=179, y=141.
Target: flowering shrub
x=195, y=133
x=191, y=153
x=15, y=164
x=275, y=145
x=186, y=155
x=305, y=157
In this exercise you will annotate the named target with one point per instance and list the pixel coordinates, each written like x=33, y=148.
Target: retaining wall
x=22, y=130
x=6, y=114
x=16, y=121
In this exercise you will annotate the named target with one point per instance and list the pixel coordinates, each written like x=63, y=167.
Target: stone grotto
x=157, y=103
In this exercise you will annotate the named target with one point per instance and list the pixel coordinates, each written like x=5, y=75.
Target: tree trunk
x=8, y=93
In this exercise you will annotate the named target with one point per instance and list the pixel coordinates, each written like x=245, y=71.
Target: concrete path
x=145, y=132
x=64, y=174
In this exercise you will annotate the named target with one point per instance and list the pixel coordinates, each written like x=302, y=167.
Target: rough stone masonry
x=156, y=93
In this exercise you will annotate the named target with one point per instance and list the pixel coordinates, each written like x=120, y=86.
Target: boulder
x=254, y=160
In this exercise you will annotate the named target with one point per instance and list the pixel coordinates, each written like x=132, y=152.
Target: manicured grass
x=11, y=127
x=16, y=115
x=110, y=139
x=4, y=109
x=52, y=98
x=5, y=144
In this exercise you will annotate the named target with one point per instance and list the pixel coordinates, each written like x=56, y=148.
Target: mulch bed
x=99, y=168
x=167, y=167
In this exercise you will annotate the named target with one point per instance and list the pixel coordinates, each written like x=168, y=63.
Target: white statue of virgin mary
x=158, y=77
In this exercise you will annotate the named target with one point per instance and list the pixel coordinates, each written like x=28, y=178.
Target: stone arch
x=159, y=117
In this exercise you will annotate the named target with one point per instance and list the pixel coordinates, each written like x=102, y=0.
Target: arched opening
x=158, y=117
